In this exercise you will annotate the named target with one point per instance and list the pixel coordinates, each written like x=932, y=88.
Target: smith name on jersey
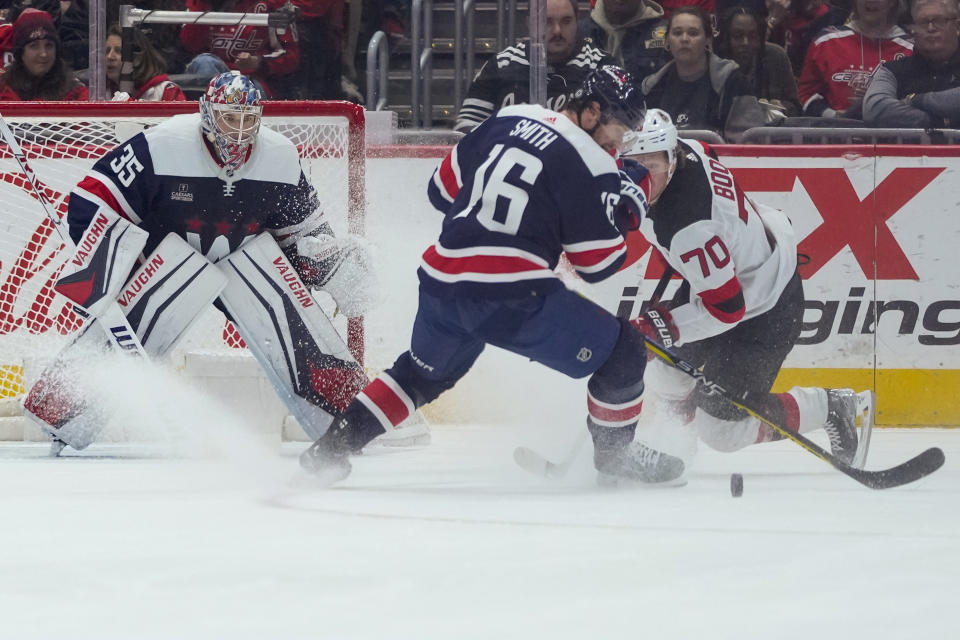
x=736, y=256
x=524, y=187
x=165, y=180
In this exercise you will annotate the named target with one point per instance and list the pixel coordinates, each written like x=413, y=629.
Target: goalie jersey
x=521, y=189
x=165, y=180
x=736, y=256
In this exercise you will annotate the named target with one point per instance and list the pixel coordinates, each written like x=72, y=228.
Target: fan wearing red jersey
x=149, y=77
x=840, y=61
x=38, y=70
x=739, y=309
x=262, y=53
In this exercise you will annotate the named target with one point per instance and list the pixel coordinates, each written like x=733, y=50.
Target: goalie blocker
x=301, y=353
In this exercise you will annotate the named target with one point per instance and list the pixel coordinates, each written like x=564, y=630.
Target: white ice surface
x=454, y=541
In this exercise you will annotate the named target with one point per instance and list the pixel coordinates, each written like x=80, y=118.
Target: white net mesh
x=34, y=320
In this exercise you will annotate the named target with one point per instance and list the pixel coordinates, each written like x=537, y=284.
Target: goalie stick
x=112, y=319
x=913, y=469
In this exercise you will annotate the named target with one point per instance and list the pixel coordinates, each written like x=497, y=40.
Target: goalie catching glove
x=341, y=266
x=657, y=324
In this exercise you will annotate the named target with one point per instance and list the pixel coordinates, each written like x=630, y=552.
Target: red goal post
x=62, y=140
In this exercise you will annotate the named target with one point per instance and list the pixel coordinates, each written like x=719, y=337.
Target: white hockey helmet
x=656, y=133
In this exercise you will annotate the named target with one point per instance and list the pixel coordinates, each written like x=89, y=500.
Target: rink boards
x=880, y=225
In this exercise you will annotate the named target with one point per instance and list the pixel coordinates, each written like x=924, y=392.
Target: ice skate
x=56, y=447
x=841, y=425
x=328, y=459
x=636, y=463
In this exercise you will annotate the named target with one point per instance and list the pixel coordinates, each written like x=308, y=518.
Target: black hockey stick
x=913, y=469
x=529, y=460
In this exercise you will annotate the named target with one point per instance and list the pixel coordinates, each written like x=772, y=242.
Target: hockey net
x=62, y=141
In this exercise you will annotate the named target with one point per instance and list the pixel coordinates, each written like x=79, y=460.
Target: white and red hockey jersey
x=736, y=256
x=840, y=64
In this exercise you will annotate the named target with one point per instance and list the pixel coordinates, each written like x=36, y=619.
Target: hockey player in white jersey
x=223, y=211
x=739, y=310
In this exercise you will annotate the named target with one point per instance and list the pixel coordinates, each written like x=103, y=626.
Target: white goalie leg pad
x=166, y=295
x=300, y=351
x=162, y=300
x=58, y=403
x=104, y=257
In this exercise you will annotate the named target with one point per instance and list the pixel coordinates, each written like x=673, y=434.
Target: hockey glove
x=633, y=203
x=657, y=324
x=342, y=267
x=631, y=170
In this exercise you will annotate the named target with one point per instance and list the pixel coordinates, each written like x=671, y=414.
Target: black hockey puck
x=736, y=485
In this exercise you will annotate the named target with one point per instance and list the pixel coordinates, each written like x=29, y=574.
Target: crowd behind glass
x=721, y=65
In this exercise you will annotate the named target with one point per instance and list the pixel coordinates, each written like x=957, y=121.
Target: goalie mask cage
x=62, y=141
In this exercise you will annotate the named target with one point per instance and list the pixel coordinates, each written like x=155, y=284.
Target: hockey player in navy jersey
x=739, y=310
x=223, y=211
x=521, y=189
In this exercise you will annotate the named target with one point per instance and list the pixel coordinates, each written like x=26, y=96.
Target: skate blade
x=866, y=403
x=608, y=481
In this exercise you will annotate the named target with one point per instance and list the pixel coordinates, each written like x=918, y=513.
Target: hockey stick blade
x=917, y=467
x=532, y=462
x=913, y=469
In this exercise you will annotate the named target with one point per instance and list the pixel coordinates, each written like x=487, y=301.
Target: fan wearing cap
x=38, y=71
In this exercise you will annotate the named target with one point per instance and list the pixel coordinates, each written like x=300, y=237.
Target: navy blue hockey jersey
x=165, y=180
x=522, y=188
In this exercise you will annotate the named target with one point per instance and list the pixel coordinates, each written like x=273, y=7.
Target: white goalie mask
x=656, y=133
x=230, y=113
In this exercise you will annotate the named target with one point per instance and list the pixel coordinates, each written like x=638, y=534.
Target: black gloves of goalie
x=633, y=203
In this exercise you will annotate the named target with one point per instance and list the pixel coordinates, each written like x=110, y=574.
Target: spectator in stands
x=697, y=88
x=793, y=23
x=165, y=38
x=264, y=54
x=841, y=60
x=150, y=81
x=922, y=90
x=505, y=79
x=71, y=19
x=633, y=32
x=320, y=34
x=38, y=71
x=6, y=34
x=743, y=39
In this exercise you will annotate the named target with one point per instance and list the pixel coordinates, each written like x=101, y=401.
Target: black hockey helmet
x=617, y=93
